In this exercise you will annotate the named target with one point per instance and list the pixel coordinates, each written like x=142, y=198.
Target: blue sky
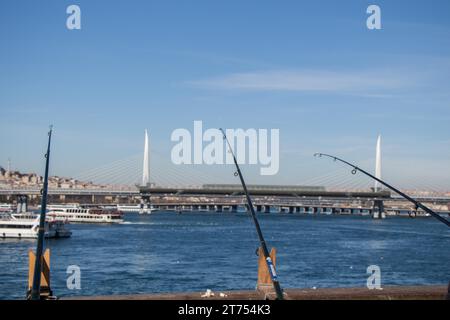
x=310, y=68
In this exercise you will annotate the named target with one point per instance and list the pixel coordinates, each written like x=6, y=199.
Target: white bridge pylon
x=146, y=164
x=378, y=212
x=378, y=164
x=145, y=207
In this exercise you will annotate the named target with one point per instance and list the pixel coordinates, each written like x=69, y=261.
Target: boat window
x=13, y=226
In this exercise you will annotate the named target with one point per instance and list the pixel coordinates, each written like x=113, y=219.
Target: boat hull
x=27, y=234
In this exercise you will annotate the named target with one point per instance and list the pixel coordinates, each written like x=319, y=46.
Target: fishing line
x=355, y=170
x=270, y=266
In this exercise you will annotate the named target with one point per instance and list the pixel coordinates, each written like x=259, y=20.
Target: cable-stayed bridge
x=158, y=170
x=172, y=187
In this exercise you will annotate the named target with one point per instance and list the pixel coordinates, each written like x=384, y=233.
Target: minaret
x=378, y=164
x=145, y=170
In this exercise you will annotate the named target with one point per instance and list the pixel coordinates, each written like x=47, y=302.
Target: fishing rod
x=36, y=288
x=415, y=202
x=270, y=266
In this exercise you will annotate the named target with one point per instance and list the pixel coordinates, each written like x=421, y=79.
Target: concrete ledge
x=387, y=293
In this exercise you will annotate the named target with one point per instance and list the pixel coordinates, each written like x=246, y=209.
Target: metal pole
x=36, y=288
x=270, y=266
x=415, y=202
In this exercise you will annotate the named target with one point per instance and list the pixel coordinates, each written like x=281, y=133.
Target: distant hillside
x=16, y=179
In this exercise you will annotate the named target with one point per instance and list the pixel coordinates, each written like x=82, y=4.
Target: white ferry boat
x=128, y=208
x=141, y=208
x=27, y=226
x=86, y=215
x=61, y=206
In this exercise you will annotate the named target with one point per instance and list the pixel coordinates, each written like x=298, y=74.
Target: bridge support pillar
x=145, y=206
x=378, y=210
x=22, y=203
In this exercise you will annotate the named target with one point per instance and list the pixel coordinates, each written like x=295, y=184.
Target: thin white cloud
x=363, y=82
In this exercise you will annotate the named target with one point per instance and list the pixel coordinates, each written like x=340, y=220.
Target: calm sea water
x=165, y=252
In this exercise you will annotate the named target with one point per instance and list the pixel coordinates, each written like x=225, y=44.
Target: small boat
x=51, y=207
x=141, y=208
x=128, y=208
x=26, y=225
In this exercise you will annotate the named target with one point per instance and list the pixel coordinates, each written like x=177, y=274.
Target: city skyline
x=314, y=71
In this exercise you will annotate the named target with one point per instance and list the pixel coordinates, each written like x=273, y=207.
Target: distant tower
x=145, y=170
x=9, y=164
x=378, y=164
